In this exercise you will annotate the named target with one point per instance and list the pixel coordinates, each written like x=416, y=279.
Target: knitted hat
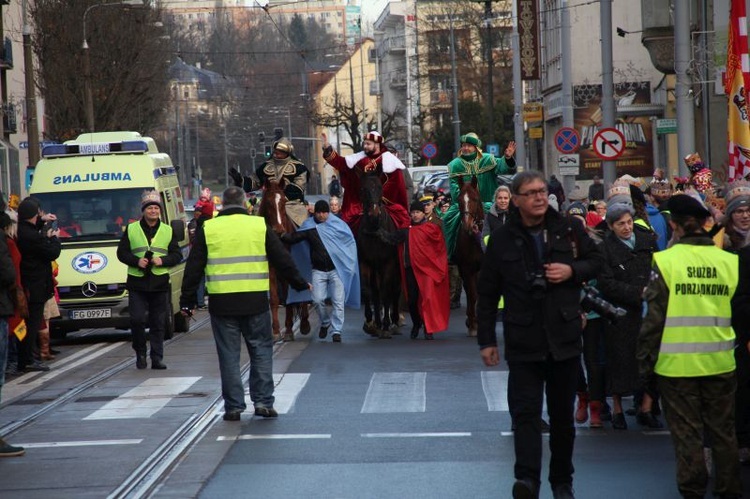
x=577, y=194
x=738, y=194
x=148, y=198
x=28, y=209
x=321, y=206
x=619, y=193
x=416, y=206
x=471, y=138
x=577, y=209
x=375, y=137
x=616, y=210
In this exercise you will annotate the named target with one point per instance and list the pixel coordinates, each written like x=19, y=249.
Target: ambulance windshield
x=92, y=215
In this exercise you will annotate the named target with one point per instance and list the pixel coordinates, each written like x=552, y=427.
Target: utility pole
x=518, y=95
x=32, y=127
x=683, y=90
x=490, y=69
x=609, y=169
x=454, y=87
x=409, y=118
x=568, y=181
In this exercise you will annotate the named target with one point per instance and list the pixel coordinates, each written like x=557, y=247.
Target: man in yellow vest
x=686, y=344
x=149, y=248
x=234, y=251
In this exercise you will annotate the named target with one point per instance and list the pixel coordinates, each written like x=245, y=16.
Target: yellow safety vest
x=698, y=337
x=237, y=261
x=139, y=246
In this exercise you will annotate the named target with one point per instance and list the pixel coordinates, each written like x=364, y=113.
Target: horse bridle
x=476, y=224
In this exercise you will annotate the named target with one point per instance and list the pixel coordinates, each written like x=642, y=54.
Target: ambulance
x=94, y=185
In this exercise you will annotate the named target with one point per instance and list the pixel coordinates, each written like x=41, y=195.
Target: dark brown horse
x=468, y=252
x=378, y=260
x=273, y=209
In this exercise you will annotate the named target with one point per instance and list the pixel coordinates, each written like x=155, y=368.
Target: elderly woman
x=628, y=250
x=498, y=214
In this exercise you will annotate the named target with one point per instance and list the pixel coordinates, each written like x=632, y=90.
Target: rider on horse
x=283, y=164
x=485, y=167
x=374, y=158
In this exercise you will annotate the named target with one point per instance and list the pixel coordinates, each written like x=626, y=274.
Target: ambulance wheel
x=181, y=323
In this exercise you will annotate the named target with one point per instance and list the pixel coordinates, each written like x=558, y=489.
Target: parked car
x=421, y=174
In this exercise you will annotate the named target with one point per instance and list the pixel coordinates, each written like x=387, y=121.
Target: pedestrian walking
x=330, y=252
x=234, y=250
x=149, y=248
x=686, y=343
x=537, y=262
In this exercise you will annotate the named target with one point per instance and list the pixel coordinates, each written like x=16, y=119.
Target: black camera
x=593, y=302
x=538, y=285
x=149, y=255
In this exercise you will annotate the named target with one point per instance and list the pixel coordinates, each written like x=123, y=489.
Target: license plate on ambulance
x=95, y=313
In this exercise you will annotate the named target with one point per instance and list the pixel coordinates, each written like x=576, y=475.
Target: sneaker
x=7, y=450
x=323, y=332
x=618, y=421
x=266, y=412
x=233, y=415
x=37, y=366
x=336, y=337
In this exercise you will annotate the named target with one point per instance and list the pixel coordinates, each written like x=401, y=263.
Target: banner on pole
x=735, y=87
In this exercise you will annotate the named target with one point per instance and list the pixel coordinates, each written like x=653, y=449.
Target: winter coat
x=7, y=279
x=148, y=282
x=493, y=220
x=37, y=254
x=536, y=324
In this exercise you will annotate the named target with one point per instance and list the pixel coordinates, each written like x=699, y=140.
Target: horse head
x=273, y=204
x=371, y=194
x=470, y=205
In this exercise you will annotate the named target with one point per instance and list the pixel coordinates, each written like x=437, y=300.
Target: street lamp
x=87, y=59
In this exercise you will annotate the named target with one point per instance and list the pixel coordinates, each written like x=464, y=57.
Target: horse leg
x=289, y=322
x=304, y=323
x=273, y=295
x=369, y=326
x=471, y=304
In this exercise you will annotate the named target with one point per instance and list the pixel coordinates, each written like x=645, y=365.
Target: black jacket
x=37, y=254
x=246, y=303
x=149, y=282
x=7, y=279
x=535, y=324
x=319, y=256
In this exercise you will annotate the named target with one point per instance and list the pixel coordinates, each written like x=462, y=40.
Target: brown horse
x=468, y=253
x=273, y=209
x=378, y=260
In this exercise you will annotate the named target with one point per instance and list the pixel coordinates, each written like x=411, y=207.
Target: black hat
x=687, y=206
x=577, y=209
x=416, y=206
x=322, y=207
x=637, y=195
x=28, y=208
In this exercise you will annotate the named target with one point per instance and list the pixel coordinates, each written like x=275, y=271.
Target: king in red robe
x=373, y=157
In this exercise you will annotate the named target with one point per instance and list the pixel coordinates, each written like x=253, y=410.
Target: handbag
x=20, y=304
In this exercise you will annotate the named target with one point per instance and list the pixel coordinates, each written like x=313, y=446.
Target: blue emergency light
x=95, y=148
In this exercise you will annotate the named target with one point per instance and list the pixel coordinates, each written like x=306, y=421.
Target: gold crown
x=660, y=186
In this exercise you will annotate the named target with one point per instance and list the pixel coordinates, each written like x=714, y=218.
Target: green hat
x=471, y=138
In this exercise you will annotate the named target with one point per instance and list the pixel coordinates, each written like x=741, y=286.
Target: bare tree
x=129, y=64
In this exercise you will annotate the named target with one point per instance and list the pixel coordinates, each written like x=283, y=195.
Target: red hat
x=375, y=137
x=206, y=207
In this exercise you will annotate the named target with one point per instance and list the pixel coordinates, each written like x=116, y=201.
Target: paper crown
x=620, y=187
x=660, y=186
x=737, y=189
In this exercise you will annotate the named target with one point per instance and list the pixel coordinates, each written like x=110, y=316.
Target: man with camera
x=149, y=248
x=537, y=262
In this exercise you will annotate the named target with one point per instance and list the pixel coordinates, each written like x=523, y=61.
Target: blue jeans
x=4, y=340
x=256, y=330
x=328, y=284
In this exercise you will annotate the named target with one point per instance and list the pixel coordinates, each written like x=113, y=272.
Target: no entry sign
x=609, y=143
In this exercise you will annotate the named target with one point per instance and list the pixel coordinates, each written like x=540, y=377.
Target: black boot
x=140, y=360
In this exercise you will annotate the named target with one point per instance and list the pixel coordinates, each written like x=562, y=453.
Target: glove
x=236, y=177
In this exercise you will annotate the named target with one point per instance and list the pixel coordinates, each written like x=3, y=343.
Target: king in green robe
x=473, y=162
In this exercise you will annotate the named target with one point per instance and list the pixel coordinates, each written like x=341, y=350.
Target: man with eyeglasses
x=537, y=262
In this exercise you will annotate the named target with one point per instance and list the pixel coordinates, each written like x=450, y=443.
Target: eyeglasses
x=741, y=211
x=534, y=193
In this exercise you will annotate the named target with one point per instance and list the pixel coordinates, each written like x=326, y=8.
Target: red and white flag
x=736, y=83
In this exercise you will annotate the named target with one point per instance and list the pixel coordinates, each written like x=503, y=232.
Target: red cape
x=429, y=259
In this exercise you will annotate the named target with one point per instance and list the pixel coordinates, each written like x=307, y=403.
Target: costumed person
x=485, y=167
x=424, y=267
x=700, y=176
x=283, y=165
x=429, y=210
x=327, y=258
x=374, y=157
x=686, y=345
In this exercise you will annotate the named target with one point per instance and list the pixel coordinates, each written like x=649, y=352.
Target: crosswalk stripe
x=417, y=435
x=287, y=388
x=395, y=392
x=79, y=443
x=275, y=436
x=144, y=400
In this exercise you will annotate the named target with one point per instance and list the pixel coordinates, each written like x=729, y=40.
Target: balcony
x=374, y=88
x=6, y=58
x=9, y=118
x=398, y=80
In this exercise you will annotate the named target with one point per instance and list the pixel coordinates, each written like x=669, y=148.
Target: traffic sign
x=429, y=150
x=665, y=126
x=567, y=140
x=609, y=143
x=565, y=160
x=493, y=149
